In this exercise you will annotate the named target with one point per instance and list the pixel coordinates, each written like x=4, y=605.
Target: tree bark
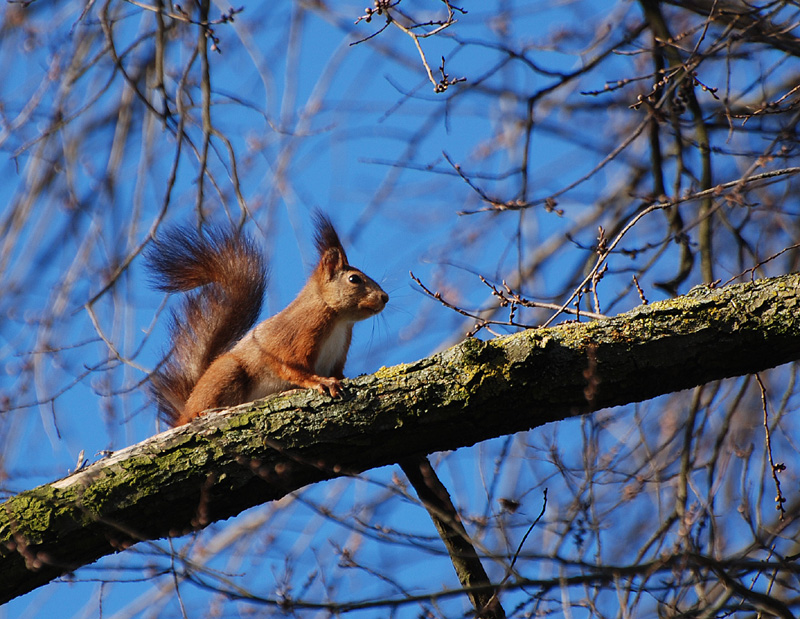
x=183, y=479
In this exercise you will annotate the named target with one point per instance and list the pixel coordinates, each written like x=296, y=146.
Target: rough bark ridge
x=214, y=468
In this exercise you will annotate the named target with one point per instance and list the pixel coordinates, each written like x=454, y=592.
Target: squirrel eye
x=355, y=279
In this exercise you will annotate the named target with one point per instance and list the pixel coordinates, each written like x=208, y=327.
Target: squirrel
x=218, y=358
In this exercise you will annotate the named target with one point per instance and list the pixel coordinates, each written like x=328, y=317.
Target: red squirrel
x=218, y=358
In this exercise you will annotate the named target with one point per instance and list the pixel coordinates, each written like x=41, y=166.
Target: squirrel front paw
x=330, y=386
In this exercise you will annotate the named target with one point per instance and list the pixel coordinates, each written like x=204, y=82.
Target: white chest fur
x=333, y=349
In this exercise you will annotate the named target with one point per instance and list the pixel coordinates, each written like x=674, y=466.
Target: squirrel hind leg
x=226, y=383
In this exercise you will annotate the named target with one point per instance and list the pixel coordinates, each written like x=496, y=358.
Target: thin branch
x=434, y=496
x=774, y=468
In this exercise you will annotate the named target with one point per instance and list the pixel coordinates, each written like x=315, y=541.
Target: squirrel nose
x=384, y=298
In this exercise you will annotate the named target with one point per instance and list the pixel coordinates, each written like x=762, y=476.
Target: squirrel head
x=347, y=290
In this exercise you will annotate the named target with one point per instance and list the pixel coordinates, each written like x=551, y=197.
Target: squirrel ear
x=332, y=261
x=332, y=256
x=326, y=237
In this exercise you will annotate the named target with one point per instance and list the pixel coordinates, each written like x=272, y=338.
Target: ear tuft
x=326, y=239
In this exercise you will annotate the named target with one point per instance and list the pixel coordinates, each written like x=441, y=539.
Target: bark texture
x=223, y=463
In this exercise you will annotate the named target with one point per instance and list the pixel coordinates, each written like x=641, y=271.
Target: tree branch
x=747, y=19
x=436, y=499
x=188, y=477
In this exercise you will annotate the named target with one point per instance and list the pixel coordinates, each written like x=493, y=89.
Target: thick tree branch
x=224, y=463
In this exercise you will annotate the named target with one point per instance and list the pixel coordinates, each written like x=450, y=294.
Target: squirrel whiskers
x=218, y=358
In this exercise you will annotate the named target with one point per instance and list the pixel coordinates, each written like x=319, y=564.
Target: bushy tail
x=230, y=274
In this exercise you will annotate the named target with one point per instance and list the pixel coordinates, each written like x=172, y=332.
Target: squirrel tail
x=230, y=274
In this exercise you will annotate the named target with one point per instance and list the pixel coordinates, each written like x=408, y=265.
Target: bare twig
x=773, y=467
